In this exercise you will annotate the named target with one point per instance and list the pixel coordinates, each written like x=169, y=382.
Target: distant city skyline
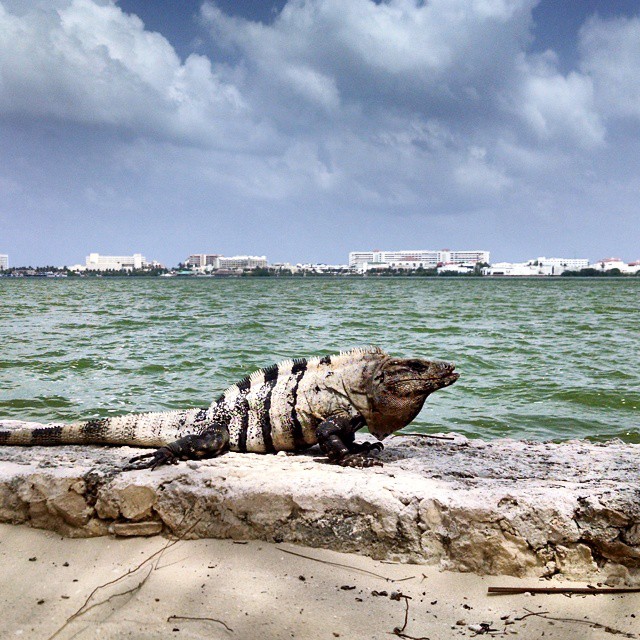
x=303, y=130
x=94, y=260
x=505, y=256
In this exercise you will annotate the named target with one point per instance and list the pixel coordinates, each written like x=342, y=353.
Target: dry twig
x=399, y=631
x=422, y=435
x=84, y=608
x=344, y=566
x=590, y=623
x=592, y=590
x=224, y=624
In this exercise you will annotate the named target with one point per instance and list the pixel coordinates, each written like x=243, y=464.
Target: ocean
x=539, y=358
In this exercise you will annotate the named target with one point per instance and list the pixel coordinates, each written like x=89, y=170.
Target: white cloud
x=478, y=176
x=384, y=70
x=313, y=86
x=423, y=56
x=559, y=107
x=321, y=68
x=611, y=56
x=92, y=63
x=414, y=86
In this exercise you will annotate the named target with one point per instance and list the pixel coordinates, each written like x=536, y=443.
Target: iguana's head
x=398, y=389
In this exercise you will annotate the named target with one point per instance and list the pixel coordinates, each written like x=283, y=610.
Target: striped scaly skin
x=290, y=406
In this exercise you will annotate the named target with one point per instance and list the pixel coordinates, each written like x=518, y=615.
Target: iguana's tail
x=135, y=430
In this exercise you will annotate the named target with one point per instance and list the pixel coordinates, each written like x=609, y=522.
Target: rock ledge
x=499, y=507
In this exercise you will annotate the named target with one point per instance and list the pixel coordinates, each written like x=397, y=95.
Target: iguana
x=290, y=406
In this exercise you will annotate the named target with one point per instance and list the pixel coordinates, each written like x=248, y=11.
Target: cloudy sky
x=304, y=129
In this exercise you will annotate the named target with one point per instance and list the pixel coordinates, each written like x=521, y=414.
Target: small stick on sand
x=344, y=566
x=592, y=590
x=224, y=624
x=590, y=623
x=422, y=435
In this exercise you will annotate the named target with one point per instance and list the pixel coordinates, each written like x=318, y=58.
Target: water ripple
x=550, y=359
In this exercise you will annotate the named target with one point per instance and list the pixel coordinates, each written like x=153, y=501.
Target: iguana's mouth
x=450, y=379
x=448, y=376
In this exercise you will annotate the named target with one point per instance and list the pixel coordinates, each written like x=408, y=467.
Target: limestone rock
x=151, y=528
x=498, y=507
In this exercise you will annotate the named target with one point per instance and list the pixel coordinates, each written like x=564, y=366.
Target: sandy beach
x=158, y=588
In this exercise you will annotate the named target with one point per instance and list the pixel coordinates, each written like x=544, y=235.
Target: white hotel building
x=214, y=261
x=539, y=267
x=202, y=260
x=4, y=261
x=413, y=259
x=242, y=262
x=96, y=262
x=606, y=264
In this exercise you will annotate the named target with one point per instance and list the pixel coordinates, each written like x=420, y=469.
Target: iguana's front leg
x=336, y=439
x=213, y=441
x=362, y=447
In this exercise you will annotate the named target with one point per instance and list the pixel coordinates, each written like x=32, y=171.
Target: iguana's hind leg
x=210, y=443
x=336, y=439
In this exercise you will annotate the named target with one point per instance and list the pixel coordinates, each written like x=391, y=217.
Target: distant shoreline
x=324, y=276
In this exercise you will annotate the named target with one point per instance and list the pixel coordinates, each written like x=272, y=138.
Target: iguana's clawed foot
x=359, y=461
x=366, y=447
x=157, y=458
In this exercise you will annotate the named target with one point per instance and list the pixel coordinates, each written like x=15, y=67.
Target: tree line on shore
x=262, y=272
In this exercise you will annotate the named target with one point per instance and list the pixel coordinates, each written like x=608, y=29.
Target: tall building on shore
x=214, y=261
x=414, y=259
x=4, y=261
x=242, y=262
x=96, y=262
x=202, y=260
x=557, y=266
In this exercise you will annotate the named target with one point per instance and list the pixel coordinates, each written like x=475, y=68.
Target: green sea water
x=539, y=359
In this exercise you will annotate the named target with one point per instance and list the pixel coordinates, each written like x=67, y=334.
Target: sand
x=225, y=589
